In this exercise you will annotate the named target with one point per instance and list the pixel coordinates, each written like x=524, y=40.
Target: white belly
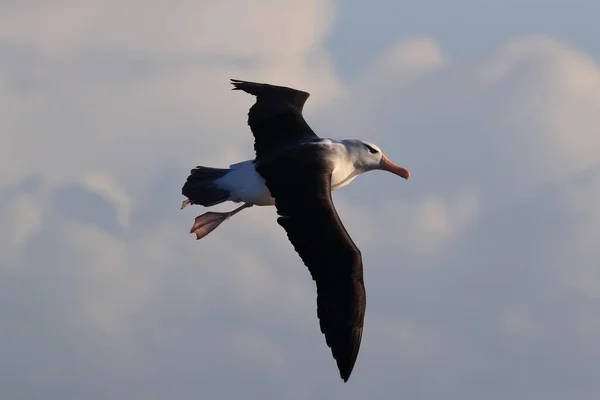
x=247, y=186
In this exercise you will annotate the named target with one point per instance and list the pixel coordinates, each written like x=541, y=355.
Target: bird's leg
x=185, y=203
x=208, y=222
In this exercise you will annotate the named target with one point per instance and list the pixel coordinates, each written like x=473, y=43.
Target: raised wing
x=301, y=186
x=275, y=119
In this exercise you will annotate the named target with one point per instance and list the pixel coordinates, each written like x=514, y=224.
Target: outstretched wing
x=301, y=186
x=275, y=119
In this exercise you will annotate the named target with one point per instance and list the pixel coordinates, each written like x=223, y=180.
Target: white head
x=367, y=157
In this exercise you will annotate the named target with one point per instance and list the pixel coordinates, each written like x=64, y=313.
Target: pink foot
x=207, y=222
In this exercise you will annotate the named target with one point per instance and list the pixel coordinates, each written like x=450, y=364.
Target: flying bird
x=295, y=170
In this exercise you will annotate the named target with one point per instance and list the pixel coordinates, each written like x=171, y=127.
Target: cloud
x=202, y=27
x=169, y=70
x=105, y=187
x=495, y=148
x=21, y=220
x=481, y=268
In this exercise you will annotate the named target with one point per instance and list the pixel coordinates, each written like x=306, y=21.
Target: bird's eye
x=371, y=150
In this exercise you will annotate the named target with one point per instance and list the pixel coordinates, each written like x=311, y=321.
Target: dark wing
x=301, y=186
x=276, y=118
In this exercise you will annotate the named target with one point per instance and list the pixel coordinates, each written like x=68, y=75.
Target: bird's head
x=367, y=157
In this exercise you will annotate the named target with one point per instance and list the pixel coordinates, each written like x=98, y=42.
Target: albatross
x=295, y=170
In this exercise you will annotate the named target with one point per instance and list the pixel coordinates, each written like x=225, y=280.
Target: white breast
x=344, y=171
x=342, y=175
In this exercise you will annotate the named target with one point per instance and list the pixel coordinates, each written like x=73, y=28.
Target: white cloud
x=208, y=27
x=104, y=186
x=514, y=138
x=158, y=78
x=405, y=61
x=558, y=91
x=490, y=245
x=22, y=219
x=423, y=226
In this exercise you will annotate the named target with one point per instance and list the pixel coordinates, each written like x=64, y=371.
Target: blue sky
x=481, y=271
x=467, y=29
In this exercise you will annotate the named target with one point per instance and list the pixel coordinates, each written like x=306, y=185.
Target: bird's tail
x=200, y=187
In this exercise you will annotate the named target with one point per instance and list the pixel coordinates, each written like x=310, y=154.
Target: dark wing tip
x=249, y=87
x=257, y=88
x=343, y=330
x=349, y=354
x=345, y=372
x=237, y=84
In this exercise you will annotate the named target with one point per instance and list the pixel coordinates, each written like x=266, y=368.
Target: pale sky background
x=482, y=271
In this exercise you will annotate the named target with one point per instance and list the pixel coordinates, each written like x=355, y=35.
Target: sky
x=481, y=271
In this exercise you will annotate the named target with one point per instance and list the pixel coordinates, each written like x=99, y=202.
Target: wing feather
x=276, y=119
x=300, y=182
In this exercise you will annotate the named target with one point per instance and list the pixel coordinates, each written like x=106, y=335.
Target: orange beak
x=389, y=166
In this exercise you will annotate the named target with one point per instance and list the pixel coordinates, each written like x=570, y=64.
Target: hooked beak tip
x=389, y=166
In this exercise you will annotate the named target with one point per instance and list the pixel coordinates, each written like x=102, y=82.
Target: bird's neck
x=347, y=165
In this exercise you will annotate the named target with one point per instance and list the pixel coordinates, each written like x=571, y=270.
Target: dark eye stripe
x=372, y=150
